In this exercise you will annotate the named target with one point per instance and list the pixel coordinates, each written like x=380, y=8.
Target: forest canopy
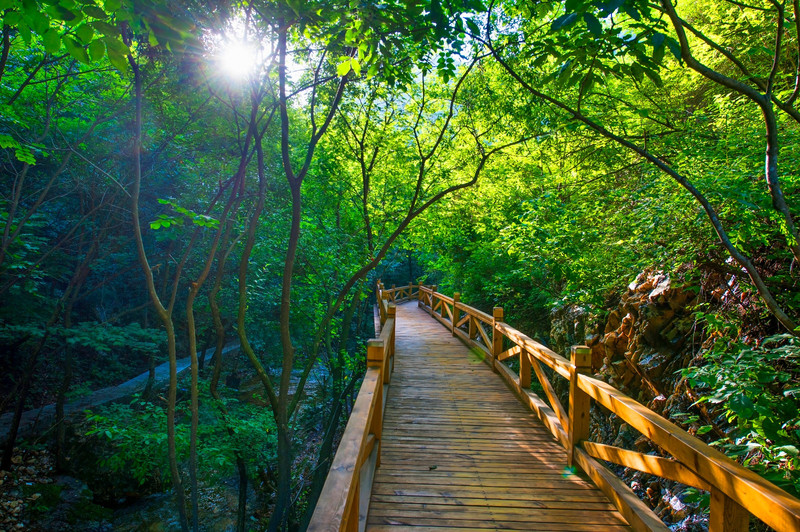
x=181, y=177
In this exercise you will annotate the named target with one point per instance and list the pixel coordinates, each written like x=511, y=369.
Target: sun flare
x=237, y=59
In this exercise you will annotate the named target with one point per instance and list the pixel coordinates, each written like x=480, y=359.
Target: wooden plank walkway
x=459, y=452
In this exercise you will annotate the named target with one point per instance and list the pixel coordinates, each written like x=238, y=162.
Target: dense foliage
x=180, y=176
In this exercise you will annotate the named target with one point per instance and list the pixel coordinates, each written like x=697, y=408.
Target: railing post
x=376, y=355
x=384, y=311
x=352, y=520
x=579, y=401
x=524, y=370
x=419, y=295
x=389, y=349
x=497, y=336
x=456, y=299
x=394, y=295
x=726, y=515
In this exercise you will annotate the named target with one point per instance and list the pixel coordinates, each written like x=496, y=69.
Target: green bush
x=756, y=390
x=137, y=436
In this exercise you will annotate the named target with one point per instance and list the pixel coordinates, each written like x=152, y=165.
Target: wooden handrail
x=344, y=500
x=736, y=492
x=396, y=294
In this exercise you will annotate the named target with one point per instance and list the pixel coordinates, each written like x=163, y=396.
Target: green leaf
x=7, y=141
x=593, y=24
x=608, y=8
x=95, y=12
x=39, y=22
x=104, y=27
x=115, y=45
x=654, y=76
x=657, y=39
x=85, y=33
x=771, y=428
x=25, y=155
x=742, y=406
x=674, y=47
x=343, y=68
x=76, y=50
x=120, y=62
x=61, y=13
x=788, y=449
x=356, y=66
x=52, y=41
x=97, y=49
x=12, y=18
x=564, y=21
x=586, y=83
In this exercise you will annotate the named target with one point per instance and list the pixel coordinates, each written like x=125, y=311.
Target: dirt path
x=41, y=420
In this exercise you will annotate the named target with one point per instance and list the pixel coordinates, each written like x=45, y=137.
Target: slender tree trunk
x=61, y=429
x=19, y=409
x=164, y=314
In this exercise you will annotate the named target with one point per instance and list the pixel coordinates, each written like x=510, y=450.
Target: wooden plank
x=516, y=502
x=510, y=514
x=547, y=386
x=443, y=297
x=555, y=361
x=546, y=527
x=508, y=353
x=481, y=349
x=485, y=337
x=413, y=517
x=447, y=309
x=579, y=495
x=725, y=515
x=654, y=465
x=479, y=314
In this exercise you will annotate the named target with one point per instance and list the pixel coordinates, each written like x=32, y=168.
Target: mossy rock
x=49, y=496
x=86, y=510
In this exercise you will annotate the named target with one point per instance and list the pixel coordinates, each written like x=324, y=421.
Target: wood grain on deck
x=459, y=452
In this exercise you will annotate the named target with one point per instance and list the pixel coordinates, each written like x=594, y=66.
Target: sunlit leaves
x=166, y=220
x=21, y=152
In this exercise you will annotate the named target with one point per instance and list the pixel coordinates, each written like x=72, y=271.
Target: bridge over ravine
x=437, y=441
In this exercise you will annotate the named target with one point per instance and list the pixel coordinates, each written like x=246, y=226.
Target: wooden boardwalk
x=459, y=452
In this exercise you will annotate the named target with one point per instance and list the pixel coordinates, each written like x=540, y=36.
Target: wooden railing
x=395, y=295
x=736, y=492
x=344, y=500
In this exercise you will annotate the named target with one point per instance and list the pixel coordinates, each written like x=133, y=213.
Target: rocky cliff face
x=642, y=343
